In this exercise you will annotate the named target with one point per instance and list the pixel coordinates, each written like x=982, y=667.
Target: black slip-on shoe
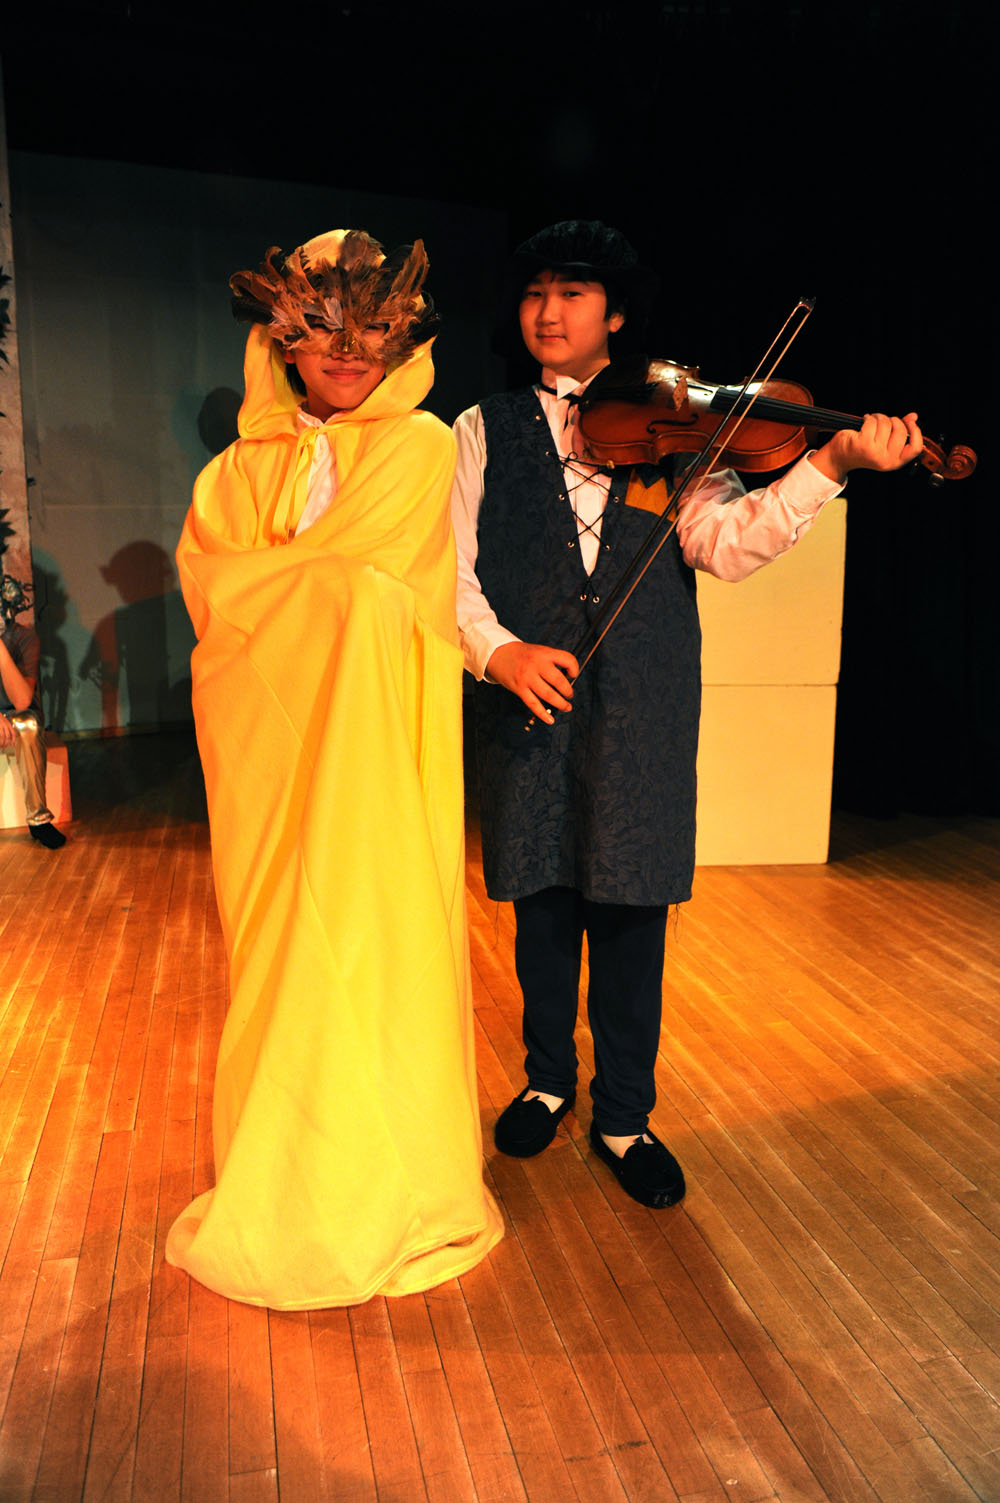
x=47, y=835
x=526, y=1127
x=646, y=1171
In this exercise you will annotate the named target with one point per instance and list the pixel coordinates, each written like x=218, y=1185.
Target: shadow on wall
x=51, y=614
x=217, y=419
x=139, y=653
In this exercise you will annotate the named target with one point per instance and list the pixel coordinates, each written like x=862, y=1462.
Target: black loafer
x=647, y=1171
x=526, y=1127
x=48, y=836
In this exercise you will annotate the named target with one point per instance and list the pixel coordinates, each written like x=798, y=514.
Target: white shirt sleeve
x=480, y=631
x=731, y=533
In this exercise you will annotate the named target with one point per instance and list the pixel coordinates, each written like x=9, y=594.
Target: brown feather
x=338, y=291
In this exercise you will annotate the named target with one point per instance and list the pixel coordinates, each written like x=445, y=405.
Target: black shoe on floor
x=526, y=1127
x=48, y=836
x=647, y=1171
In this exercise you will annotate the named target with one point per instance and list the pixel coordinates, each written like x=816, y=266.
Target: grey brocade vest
x=604, y=800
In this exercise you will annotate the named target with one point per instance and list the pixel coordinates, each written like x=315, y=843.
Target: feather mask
x=340, y=294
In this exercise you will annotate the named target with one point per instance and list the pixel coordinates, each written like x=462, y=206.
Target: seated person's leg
x=29, y=751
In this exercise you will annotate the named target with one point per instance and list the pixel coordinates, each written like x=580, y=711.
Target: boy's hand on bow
x=538, y=675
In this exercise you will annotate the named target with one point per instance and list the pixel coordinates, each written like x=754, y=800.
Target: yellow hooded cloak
x=327, y=702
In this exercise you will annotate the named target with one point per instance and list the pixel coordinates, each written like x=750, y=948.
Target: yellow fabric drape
x=327, y=695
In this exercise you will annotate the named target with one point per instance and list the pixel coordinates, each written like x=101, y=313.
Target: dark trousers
x=625, y=947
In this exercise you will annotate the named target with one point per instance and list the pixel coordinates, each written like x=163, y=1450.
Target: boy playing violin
x=588, y=820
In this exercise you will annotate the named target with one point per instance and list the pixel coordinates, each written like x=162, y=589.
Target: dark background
x=751, y=153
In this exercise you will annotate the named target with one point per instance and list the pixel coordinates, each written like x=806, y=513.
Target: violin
x=641, y=411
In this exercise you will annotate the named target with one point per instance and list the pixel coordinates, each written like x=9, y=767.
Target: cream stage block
x=770, y=663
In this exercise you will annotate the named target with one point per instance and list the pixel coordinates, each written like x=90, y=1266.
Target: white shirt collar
x=565, y=386
x=306, y=420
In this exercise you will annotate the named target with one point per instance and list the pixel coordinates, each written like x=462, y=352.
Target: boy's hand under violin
x=881, y=443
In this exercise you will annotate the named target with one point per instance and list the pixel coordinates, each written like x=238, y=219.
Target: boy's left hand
x=881, y=443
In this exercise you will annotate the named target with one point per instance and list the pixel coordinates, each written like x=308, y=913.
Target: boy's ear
x=615, y=322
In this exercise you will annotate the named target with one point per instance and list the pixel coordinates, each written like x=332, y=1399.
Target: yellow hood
x=270, y=404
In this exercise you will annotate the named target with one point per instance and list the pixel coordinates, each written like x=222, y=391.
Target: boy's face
x=333, y=382
x=565, y=324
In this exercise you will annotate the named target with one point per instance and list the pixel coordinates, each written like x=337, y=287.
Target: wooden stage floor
x=817, y=1321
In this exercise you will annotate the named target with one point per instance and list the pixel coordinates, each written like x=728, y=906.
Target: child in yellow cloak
x=318, y=566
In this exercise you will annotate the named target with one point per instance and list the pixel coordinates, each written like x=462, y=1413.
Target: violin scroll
x=957, y=464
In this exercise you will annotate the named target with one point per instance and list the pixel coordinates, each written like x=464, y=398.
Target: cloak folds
x=328, y=708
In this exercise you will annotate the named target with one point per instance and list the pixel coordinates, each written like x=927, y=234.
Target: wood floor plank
x=347, y=1459
x=299, y=1444
x=394, y=1453
x=543, y=1468
x=252, y=1445
x=443, y=1461
x=205, y=1453
x=254, y=1487
x=120, y=1394
x=66, y=1455
x=101, y=1020
x=26, y=1409
x=575, y=1374
x=159, y=1449
x=692, y=1423
x=480, y=1418
x=169, y=1312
